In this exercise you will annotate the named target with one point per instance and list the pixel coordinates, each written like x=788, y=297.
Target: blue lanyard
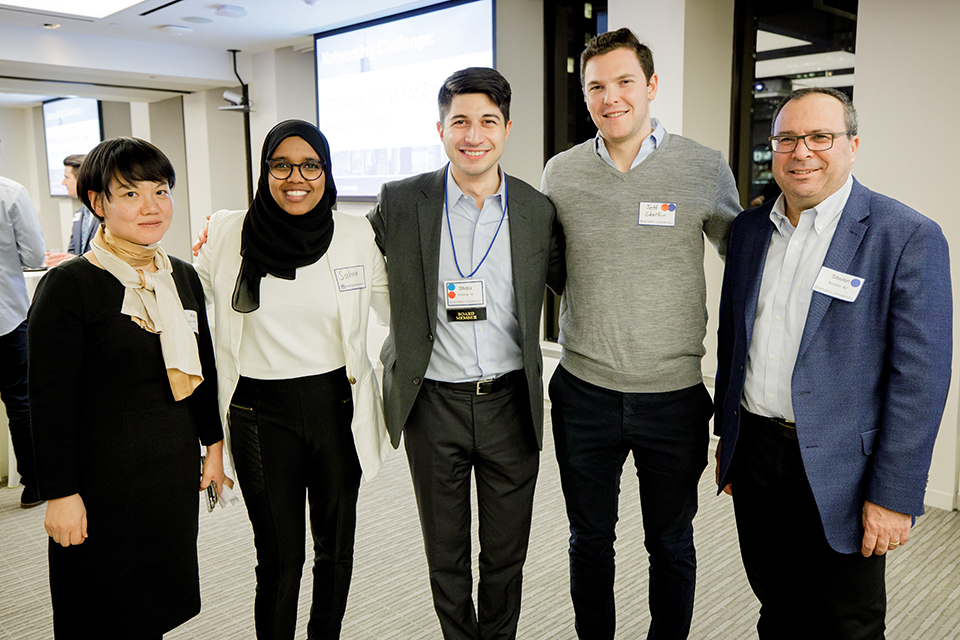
x=446, y=212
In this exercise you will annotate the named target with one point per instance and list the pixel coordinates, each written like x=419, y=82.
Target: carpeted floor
x=390, y=594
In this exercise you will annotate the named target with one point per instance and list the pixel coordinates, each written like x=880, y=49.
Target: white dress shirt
x=792, y=265
x=21, y=245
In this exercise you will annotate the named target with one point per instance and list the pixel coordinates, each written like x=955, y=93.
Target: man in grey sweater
x=635, y=203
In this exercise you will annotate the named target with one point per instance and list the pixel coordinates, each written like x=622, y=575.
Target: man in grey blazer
x=469, y=250
x=835, y=346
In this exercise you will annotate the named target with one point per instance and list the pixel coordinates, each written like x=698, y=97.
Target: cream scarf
x=151, y=300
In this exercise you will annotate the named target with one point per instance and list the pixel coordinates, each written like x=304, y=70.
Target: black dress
x=106, y=426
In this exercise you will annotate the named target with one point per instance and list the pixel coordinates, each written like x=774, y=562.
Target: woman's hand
x=213, y=468
x=66, y=520
x=202, y=240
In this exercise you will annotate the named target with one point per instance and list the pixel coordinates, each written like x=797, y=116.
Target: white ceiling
x=267, y=25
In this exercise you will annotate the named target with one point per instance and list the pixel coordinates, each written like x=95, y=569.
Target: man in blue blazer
x=834, y=356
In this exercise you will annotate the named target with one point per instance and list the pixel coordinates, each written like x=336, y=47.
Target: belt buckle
x=480, y=382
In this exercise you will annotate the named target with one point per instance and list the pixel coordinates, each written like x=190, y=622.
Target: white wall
x=520, y=60
x=660, y=25
x=906, y=95
x=707, y=79
x=215, y=156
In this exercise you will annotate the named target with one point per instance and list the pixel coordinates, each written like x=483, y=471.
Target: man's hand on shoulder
x=883, y=530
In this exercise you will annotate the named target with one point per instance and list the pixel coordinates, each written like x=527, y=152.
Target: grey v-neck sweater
x=633, y=313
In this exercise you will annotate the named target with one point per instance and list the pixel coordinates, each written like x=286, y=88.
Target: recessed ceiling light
x=174, y=29
x=197, y=20
x=230, y=11
x=51, y=26
x=87, y=8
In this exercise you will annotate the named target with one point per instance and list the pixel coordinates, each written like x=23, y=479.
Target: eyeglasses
x=281, y=169
x=814, y=141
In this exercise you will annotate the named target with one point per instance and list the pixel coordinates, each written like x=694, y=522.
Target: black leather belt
x=481, y=387
x=785, y=428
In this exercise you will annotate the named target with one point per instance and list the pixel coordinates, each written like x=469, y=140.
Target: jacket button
x=416, y=381
x=352, y=380
x=430, y=337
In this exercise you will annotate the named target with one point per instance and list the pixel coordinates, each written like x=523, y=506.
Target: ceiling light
x=230, y=11
x=174, y=29
x=51, y=26
x=87, y=8
x=196, y=20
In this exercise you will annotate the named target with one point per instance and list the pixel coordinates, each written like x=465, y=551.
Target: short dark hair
x=613, y=40
x=74, y=160
x=849, y=111
x=129, y=159
x=476, y=80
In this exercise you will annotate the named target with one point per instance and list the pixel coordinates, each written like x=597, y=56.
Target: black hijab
x=273, y=241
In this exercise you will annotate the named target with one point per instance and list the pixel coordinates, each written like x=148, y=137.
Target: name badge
x=191, y=317
x=465, y=300
x=835, y=284
x=658, y=214
x=350, y=278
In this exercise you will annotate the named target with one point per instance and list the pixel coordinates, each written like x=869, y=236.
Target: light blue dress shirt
x=786, y=288
x=467, y=351
x=21, y=245
x=648, y=146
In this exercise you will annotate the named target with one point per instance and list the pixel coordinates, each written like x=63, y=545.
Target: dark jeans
x=13, y=392
x=594, y=429
x=291, y=441
x=448, y=434
x=806, y=589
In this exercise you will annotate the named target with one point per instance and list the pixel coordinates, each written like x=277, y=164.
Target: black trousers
x=291, y=441
x=448, y=434
x=806, y=589
x=13, y=392
x=595, y=429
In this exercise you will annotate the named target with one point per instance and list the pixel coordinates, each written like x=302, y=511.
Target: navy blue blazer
x=80, y=216
x=871, y=376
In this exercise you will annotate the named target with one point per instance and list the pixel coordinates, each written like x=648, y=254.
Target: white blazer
x=353, y=244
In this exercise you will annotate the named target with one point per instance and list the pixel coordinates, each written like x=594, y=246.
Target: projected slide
x=71, y=125
x=377, y=91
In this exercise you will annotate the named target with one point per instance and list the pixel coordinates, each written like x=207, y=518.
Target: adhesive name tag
x=350, y=278
x=835, y=284
x=465, y=300
x=658, y=214
x=191, y=317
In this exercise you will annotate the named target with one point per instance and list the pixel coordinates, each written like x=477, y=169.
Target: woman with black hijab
x=292, y=282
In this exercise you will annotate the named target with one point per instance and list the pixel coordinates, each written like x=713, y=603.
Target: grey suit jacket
x=407, y=222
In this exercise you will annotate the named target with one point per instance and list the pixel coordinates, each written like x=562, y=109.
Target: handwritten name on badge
x=658, y=214
x=836, y=284
x=464, y=293
x=350, y=278
x=192, y=321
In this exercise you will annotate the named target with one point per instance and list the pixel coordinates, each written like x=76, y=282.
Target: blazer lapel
x=843, y=247
x=518, y=220
x=754, y=269
x=429, y=219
